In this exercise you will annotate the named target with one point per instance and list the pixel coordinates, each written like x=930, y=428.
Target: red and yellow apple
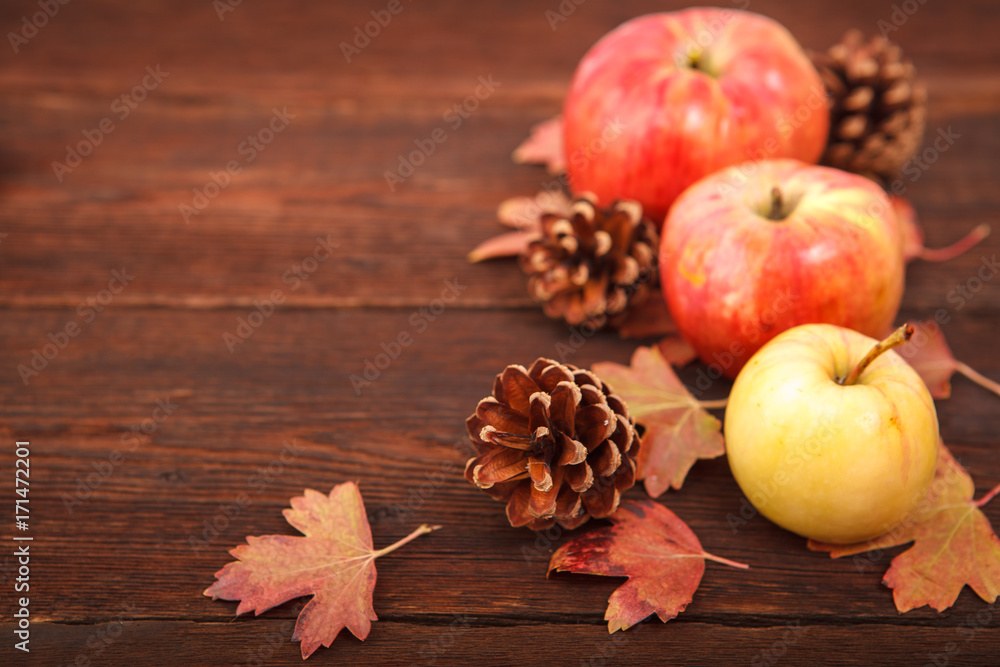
x=835, y=458
x=758, y=248
x=668, y=98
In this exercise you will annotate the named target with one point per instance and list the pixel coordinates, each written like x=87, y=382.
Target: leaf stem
x=978, y=378
x=897, y=338
x=422, y=530
x=955, y=249
x=717, y=403
x=988, y=497
x=724, y=561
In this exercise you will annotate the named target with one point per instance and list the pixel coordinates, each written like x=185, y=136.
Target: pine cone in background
x=592, y=264
x=877, y=108
x=554, y=443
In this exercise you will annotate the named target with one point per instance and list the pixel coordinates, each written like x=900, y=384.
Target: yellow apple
x=830, y=434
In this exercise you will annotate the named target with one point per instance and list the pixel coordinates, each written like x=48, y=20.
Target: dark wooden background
x=115, y=579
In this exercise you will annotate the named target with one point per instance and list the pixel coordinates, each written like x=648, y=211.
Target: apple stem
x=898, y=337
x=978, y=378
x=955, y=249
x=717, y=403
x=777, y=204
x=422, y=530
x=988, y=497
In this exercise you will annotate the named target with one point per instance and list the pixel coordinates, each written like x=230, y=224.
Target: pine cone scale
x=579, y=477
x=502, y=418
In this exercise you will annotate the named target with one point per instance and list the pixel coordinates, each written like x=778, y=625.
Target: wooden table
x=163, y=431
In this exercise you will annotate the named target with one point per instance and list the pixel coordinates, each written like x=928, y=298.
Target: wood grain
x=130, y=526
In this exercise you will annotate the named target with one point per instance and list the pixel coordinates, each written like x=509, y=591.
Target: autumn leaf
x=649, y=544
x=523, y=214
x=649, y=318
x=677, y=351
x=953, y=544
x=679, y=430
x=913, y=236
x=928, y=353
x=544, y=146
x=334, y=563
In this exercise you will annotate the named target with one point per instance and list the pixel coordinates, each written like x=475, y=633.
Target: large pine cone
x=554, y=443
x=589, y=266
x=877, y=107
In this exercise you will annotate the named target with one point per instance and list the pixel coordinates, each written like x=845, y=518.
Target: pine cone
x=878, y=109
x=589, y=266
x=554, y=443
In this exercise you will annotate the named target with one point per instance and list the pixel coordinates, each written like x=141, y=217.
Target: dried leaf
x=953, y=544
x=523, y=214
x=544, y=146
x=677, y=351
x=649, y=544
x=509, y=244
x=928, y=353
x=334, y=563
x=647, y=319
x=678, y=429
x=913, y=236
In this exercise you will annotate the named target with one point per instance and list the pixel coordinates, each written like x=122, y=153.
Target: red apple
x=668, y=98
x=758, y=248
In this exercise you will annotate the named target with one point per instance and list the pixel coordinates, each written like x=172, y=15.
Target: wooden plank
x=462, y=640
x=280, y=414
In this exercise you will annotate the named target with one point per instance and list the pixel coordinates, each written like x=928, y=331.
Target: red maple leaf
x=679, y=430
x=544, y=146
x=913, y=236
x=928, y=353
x=953, y=544
x=334, y=562
x=649, y=544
